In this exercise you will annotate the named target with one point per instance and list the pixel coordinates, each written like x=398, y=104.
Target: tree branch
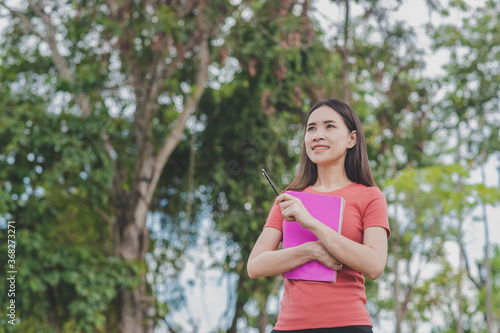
x=478, y=285
x=145, y=162
x=175, y=136
x=50, y=38
x=111, y=220
x=170, y=328
x=112, y=6
x=110, y=150
x=24, y=19
x=345, y=58
x=151, y=92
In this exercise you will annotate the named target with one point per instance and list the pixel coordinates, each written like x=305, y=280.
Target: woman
x=334, y=161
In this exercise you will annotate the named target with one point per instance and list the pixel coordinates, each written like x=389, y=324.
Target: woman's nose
x=318, y=135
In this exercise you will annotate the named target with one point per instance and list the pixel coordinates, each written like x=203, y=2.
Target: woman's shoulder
x=369, y=189
x=373, y=189
x=365, y=193
x=373, y=195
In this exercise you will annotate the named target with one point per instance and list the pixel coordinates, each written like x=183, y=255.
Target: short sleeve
x=275, y=219
x=375, y=214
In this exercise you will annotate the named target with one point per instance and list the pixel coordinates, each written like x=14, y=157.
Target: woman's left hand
x=292, y=209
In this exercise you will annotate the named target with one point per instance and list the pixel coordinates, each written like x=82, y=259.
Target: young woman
x=334, y=161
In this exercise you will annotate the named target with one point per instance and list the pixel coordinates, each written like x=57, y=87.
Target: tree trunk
x=133, y=235
x=487, y=263
x=460, y=314
x=397, y=296
x=52, y=315
x=263, y=319
x=345, y=57
x=397, y=283
x=240, y=302
x=131, y=313
x=461, y=267
x=133, y=246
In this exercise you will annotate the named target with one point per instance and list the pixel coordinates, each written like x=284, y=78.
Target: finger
x=288, y=214
x=284, y=197
x=332, y=264
x=336, y=263
x=280, y=198
x=286, y=204
x=336, y=266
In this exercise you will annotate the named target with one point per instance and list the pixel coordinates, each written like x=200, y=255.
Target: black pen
x=270, y=182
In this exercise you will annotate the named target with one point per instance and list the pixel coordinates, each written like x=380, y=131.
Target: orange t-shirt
x=310, y=304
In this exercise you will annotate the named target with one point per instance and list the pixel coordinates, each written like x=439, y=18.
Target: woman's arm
x=368, y=258
x=266, y=260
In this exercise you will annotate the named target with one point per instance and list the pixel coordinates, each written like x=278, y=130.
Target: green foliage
x=473, y=78
x=83, y=283
x=71, y=137
x=55, y=180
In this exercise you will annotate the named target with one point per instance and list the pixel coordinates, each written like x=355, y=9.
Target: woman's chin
x=326, y=161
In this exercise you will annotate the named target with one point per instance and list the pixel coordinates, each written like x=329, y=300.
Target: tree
x=132, y=73
x=424, y=200
x=473, y=83
x=66, y=279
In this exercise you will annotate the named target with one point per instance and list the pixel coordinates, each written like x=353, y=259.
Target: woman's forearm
x=369, y=260
x=274, y=262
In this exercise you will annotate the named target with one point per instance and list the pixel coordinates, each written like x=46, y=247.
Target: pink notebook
x=325, y=208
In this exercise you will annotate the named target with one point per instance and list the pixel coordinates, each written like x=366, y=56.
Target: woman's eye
x=330, y=126
x=310, y=129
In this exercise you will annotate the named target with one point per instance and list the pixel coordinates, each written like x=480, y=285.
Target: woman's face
x=327, y=137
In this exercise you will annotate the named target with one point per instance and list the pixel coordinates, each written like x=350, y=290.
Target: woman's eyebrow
x=325, y=122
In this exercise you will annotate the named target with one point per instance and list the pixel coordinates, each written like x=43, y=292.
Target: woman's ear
x=352, y=139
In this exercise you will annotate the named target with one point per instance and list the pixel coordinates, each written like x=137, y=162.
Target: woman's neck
x=331, y=178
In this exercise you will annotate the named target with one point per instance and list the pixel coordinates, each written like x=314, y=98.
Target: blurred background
x=132, y=135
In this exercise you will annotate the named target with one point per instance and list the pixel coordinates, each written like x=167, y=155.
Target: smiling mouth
x=320, y=148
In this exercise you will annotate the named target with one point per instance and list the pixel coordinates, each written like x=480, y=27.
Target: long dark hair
x=356, y=164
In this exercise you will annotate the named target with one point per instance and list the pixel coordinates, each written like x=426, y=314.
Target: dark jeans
x=344, y=329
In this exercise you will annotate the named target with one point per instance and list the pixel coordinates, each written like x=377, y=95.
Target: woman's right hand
x=321, y=254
